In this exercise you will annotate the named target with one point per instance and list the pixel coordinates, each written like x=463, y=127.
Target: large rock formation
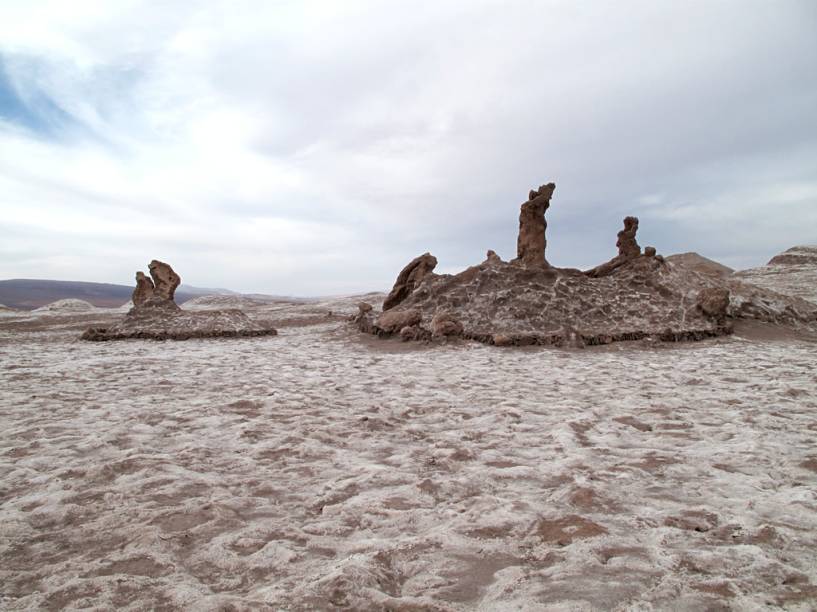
x=634, y=296
x=409, y=277
x=156, y=316
x=531, y=242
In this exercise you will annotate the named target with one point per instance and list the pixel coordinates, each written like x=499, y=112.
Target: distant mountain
x=28, y=294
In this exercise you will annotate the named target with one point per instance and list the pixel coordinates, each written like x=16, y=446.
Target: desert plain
x=323, y=468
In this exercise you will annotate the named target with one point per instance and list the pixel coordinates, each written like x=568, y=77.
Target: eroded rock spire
x=531, y=243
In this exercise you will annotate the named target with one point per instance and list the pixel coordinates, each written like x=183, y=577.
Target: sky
x=314, y=148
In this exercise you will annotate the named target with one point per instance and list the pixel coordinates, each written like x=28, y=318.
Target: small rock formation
x=156, y=316
x=409, y=278
x=364, y=319
x=626, y=243
x=531, y=243
x=628, y=249
x=165, y=280
x=492, y=257
x=143, y=291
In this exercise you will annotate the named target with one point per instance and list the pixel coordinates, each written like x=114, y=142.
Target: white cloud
x=312, y=147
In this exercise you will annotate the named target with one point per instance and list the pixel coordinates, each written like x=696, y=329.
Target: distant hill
x=701, y=264
x=793, y=272
x=28, y=294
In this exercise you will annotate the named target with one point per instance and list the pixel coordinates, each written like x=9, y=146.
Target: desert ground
x=323, y=468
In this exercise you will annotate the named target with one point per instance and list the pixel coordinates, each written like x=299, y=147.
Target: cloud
x=315, y=147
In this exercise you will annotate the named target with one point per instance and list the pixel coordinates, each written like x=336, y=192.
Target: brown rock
x=628, y=249
x=492, y=257
x=531, y=243
x=714, y=301
x=364, y=319
x=626, y=243
x=443, y=324
x=502, y=340
x=413, y=332
x=649, y=251
x=165, y=280
x=143, y=291
x=409, y=278
x=393, y=321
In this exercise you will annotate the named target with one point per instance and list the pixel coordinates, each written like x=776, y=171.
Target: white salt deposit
x=322, y=469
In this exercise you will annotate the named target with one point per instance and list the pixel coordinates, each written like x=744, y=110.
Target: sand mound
x=793, y=272
x=68, y=306
x=158, y=322
x=700, y=264
x=210, y=302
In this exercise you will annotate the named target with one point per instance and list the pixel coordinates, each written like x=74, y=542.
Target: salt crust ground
x=323, y=469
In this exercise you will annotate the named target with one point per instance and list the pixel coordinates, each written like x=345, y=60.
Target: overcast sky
x=316, y=147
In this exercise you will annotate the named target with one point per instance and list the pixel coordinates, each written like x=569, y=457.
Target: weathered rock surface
x=393, y=321
x=531, y=242
x=409, y=277
x=165, y=280
x=143, y=291
x=509, y=304
x=714, y=302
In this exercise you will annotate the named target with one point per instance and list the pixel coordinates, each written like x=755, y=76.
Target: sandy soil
x=322, y=469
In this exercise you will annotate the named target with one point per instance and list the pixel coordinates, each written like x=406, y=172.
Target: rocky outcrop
x=156, y=316
x=143, y=291
x=165, y=280
x=634, y=296
x=408, y=279
x=531, y=242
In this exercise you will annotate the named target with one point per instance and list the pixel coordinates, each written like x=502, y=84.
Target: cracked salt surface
x=322, y=469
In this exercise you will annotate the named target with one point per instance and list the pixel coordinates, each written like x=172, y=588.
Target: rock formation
x=526, y=301
x=531, y=243
x=628, y=249
x=156, y=316
x=409, y=278
x=165, y=280
x=143, y=291
x=626, y=243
